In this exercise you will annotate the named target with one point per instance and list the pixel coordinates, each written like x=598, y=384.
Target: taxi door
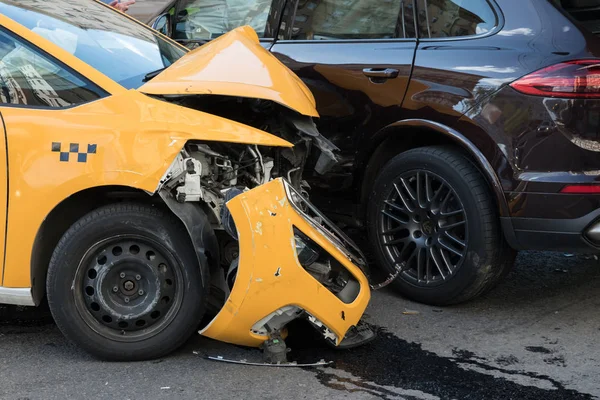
x=3, y=197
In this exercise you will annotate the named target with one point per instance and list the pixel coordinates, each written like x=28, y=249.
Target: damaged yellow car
x=144, y=194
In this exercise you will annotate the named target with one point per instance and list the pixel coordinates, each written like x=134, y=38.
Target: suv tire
x=432, y=215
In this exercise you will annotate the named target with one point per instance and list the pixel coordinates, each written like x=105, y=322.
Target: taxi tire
x=138, y=219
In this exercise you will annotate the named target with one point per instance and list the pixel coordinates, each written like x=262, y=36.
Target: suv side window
x=30, y=78
x=209, y=19
x=454, y=18
x=353, y=19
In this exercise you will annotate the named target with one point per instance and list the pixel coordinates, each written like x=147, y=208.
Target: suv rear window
x=586, y=12
x=454, y=18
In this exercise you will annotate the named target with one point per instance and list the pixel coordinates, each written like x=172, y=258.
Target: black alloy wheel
x=423, y=227
x=431, y=215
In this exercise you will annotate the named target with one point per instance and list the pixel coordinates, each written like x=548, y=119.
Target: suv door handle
x=386, y=73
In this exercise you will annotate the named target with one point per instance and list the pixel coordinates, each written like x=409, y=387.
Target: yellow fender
x=127, y=139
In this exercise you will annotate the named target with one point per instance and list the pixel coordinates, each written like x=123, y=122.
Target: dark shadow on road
x=395, y=363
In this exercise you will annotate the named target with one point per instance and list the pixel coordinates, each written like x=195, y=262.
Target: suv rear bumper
x=578, y=235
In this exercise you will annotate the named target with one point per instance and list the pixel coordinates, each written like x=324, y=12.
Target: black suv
x=467, y=129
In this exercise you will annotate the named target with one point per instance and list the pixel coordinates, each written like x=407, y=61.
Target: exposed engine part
x=275, y=350
x=213, y=201
x=268, y=168
x=291, y=171
x=259, y=166
x=215, y=174
x=356, y=336
x=191, y=190
x=311, y=149
x=203, y=148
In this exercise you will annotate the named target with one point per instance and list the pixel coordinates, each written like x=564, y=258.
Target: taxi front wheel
x=124, y=283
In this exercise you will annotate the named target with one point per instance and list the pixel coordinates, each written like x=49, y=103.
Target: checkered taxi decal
x=74, y=149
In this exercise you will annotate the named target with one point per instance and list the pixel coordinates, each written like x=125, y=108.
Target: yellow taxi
x=147, y=187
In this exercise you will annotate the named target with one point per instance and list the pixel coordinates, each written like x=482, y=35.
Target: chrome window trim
x=499, y=25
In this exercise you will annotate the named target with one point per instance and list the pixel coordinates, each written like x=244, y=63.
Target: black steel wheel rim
x=423, y=228
x=128, y=288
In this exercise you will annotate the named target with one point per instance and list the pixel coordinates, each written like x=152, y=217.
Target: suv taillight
x=571, y=79
x=581, y=189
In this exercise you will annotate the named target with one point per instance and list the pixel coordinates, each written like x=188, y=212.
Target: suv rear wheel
x=432, y=215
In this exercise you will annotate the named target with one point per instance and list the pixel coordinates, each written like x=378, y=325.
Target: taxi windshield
x=121, y=49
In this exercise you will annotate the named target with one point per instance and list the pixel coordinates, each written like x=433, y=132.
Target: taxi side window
x=353, y=19
x=454, y=18
x=30, y=78
x=209, y=19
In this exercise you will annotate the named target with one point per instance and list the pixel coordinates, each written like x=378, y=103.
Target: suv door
x=356, y=57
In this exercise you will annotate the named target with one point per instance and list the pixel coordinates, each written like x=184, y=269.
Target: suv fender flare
x=481, y=161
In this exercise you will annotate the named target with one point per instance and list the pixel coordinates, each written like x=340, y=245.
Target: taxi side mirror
x=163, y=24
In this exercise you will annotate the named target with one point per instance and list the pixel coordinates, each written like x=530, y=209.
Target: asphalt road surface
x=533, y=337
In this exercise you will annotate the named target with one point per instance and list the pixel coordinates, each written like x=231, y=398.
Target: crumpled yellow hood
x=235, y=64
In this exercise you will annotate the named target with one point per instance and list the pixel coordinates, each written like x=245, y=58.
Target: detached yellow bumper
x=270, y=277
